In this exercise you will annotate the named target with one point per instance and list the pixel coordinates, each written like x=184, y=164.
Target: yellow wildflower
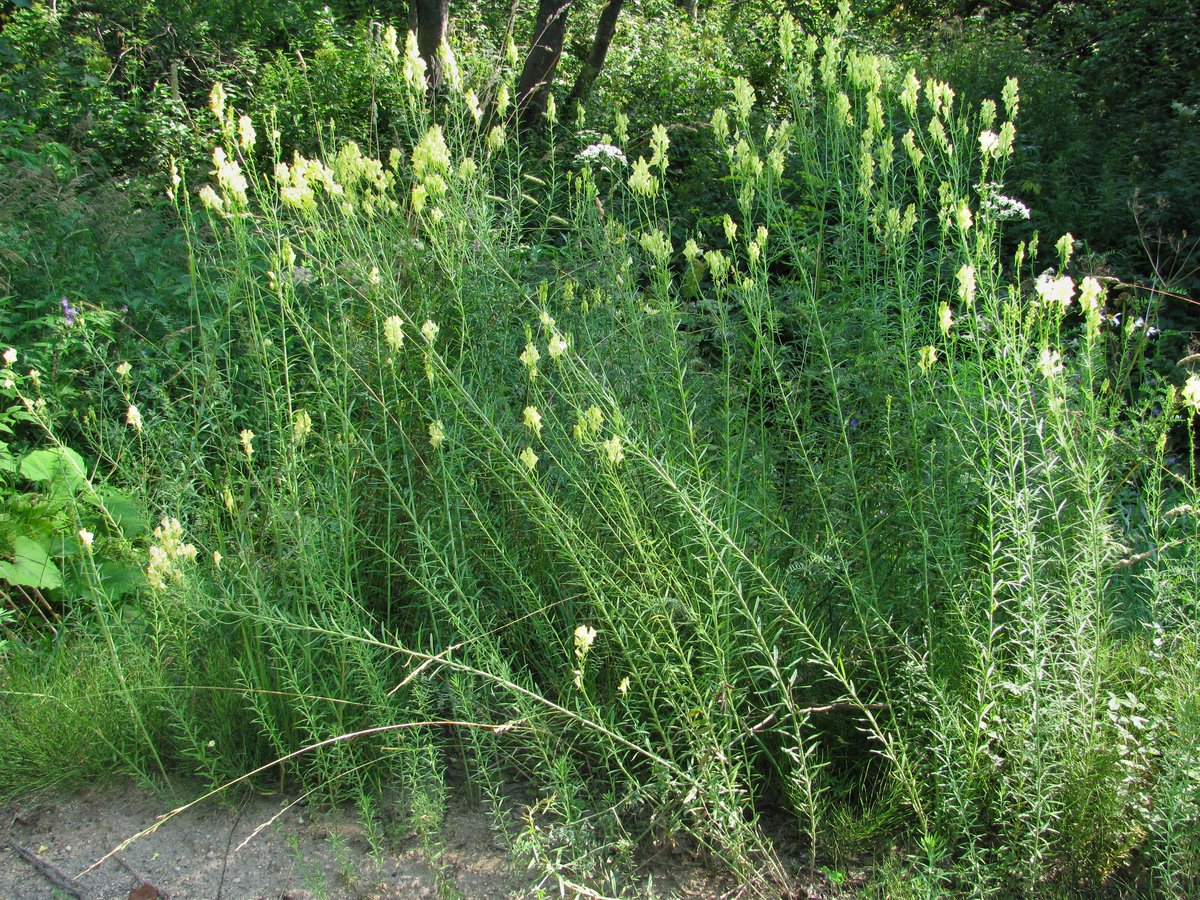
x=530, y=358
x=1050, y=363
x=1191, y=393
x=301, y=426
x=495, y=138
x=211, y=199
x=659, y=142
x=641, y=182
x=393, y=332
x=945, y=318
x=414, y=65
x=217, y=100
x=1055, y=291
x=588, y=424
x=585, y=636
x=966, y=285
x=533, y=420
x=246, y=133
x=437, y=434
x=962, y=216
x=615, y=449
x=928, y=356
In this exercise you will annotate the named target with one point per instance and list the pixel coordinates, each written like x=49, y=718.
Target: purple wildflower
x=70, y=313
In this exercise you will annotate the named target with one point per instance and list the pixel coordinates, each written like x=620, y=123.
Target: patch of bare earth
x=255, y=846
x=203, y=853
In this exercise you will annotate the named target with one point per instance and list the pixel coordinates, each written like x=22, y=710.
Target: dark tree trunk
x=534, y=84
x=605, y=30
x=688, y=6
x=430, y=17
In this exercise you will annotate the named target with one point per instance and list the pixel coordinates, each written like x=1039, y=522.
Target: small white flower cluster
x=1005, y=208
x=603, y=154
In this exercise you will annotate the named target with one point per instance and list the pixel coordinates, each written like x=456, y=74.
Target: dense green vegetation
x=748, y=457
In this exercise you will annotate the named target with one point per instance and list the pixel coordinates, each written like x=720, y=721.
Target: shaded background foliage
x=1109, y=148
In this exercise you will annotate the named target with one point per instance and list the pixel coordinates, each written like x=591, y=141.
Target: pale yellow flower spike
x=247, y=438
x=1191, y=393
x=614, y=449
x=945, y=318
x=301, y=426
x=585, y=636
x=533, y=420
x=246, y=133
x=1050, y=363
x=927, y=358
x=393, y=332
x=437, y=434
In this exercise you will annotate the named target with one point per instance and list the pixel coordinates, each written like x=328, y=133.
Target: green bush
x=838, y=511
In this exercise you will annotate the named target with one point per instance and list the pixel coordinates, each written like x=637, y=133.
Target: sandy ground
x=64, y=848
x=297, y=854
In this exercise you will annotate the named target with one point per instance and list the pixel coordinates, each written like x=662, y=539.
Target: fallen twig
x=51, y=872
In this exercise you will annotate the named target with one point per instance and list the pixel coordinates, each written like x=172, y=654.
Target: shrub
x=842, y=513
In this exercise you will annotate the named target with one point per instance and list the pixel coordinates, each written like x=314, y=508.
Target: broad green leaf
x=126, y=512
x=31, y=566
x=116, y=580
x=40, y=465
x=119, y=578
x=8, y=462
x=59, y=463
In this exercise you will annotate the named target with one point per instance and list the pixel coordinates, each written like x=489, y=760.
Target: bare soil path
x=254, y=847
x=47, y=847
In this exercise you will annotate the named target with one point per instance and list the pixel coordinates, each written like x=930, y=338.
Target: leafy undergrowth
x=825, y=515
